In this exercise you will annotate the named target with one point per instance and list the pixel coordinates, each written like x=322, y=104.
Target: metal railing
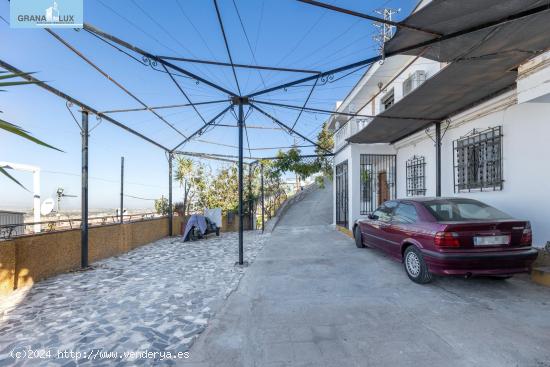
x=9, y=231
x=352, y=127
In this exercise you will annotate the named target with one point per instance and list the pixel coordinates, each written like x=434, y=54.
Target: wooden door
x=383, y=187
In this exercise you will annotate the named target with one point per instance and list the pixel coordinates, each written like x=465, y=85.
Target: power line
x=169, y=34
x=120, y=86
x=200, y=35
x=99, y=178
x=227, y=45
x=340, y=35
x=248, y=41
x=139, y=197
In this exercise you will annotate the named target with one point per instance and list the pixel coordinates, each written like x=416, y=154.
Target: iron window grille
x=477, y=161
x=416, y=176
x=377, y=177
x=413, y=81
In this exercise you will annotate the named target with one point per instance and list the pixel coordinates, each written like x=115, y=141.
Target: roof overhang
x=483, y=63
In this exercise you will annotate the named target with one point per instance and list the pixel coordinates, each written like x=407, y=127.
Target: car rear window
x=460, y=210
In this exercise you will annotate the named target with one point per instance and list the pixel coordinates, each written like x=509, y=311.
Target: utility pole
x=121, y=190
x=385, y=30
x=170, y=209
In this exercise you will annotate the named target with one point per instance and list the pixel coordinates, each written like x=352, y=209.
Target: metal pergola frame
x=234, y=99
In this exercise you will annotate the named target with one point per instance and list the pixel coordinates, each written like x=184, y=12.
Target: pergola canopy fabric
x=482, y=63
x=449, y=16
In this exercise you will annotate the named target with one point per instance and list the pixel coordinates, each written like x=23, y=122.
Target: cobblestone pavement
x=158, y=297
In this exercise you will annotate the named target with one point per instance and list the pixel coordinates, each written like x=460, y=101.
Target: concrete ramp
x=313, y=208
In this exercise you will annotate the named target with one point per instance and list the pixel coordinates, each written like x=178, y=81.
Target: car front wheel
x=358, y=237
x=415, y=266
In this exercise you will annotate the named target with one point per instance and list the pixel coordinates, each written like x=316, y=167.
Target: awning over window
x=483, y=63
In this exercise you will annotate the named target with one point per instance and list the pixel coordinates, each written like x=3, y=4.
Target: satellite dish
x=47, y=206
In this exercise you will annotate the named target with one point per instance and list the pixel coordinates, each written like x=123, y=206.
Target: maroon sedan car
x=448, y=236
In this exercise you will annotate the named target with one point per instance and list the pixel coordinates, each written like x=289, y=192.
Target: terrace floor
x=158, y=297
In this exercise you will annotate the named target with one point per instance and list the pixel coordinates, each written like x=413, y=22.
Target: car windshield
x=461, y=210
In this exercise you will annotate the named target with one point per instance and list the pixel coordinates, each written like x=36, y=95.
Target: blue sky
x=282, y=33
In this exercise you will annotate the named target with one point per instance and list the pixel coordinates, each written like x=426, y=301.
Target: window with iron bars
x=416, y=176
x=477, y=161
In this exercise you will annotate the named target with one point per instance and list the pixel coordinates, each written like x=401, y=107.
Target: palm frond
x=11, y=84
x=9, y=76
x=5, y=173
x=14, y=129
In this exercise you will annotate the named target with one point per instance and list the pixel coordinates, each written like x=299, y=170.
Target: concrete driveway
x=312, y=298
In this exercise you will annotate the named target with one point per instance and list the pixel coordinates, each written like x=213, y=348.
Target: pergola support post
x=438, y=159
x=170, y=207
x=241, y=213
x=84, y=196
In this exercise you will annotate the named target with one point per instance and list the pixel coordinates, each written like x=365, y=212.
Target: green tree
x=192, y=177
x=14, y=129
x=222, y=190
x=291, y=160
x=161, y=206
x=325, y=140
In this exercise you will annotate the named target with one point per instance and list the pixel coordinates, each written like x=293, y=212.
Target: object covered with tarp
x=199, y=226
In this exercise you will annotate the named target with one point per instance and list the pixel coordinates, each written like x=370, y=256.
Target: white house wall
x=523, y=115
x=429, y=66
x=534, y=80
x=355, y=170
x=526, y=132
x=419, y=147
x=352, y=153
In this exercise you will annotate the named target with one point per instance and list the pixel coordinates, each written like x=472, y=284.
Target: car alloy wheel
x=415, y=266
x=412, y=264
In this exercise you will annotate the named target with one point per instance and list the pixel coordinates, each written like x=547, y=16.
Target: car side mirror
x=373, y=216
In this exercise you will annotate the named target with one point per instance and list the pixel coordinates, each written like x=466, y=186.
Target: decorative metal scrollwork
x=148, y=61
x=326, y=79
